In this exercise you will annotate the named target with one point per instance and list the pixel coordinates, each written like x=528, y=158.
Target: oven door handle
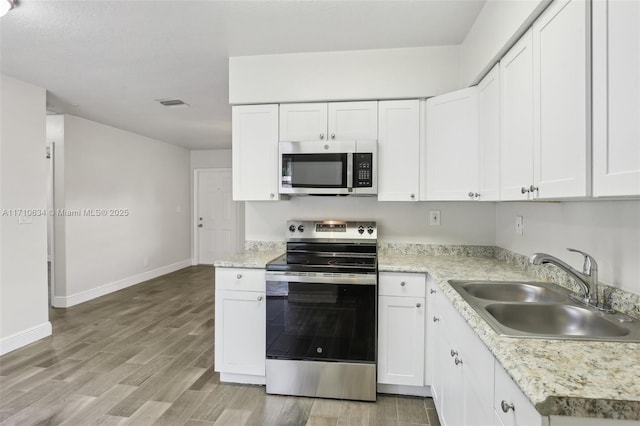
x=320, y=278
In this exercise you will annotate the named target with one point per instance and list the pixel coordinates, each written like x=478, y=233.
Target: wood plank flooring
x=144, y=356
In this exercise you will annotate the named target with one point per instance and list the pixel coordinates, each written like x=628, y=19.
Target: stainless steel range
x=321, y=311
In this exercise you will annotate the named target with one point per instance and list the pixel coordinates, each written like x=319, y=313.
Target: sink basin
x=513, y=292
x=554, y=319
x=542, y=310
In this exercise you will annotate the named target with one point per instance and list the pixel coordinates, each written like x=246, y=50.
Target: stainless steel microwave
x=328, y=167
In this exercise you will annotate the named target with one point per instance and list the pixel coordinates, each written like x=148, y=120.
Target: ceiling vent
x=174, y=103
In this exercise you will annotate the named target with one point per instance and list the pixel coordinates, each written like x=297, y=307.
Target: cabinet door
x=353, y=120
x=399, y=150
x=255, y=152
x=561, y=106
x=401, y=340
x=519, y=411
x=516, y=120
x=616, y=98
x=489, y=122
x=303, y=122
x=452, y=155
x=240, y=335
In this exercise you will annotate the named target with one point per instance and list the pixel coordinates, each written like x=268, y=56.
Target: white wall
x=348, y=75
x=608, y=230
x=499, y=25
x=24, y=315
x=462, y=222
x=108, y=168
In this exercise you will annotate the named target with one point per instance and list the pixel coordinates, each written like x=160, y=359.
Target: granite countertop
x=256, y=259
x=559, y=377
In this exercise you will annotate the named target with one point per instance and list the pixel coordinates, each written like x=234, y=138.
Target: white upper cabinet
x=303, y=122
x=489, y=121
x=516, y=120
x=326, y=121
x=616, y=98
x=398, y=150
x=452, y=166
x=561, y=106
x=255, y=152
x=353, y=120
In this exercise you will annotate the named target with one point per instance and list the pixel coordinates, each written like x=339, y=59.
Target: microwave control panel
x=363, y=170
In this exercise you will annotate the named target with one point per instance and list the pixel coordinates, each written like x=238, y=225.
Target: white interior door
x=216, y=216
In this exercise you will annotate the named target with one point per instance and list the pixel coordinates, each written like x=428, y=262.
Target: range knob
x=292, y=228
x=360, y=230
x=370, y=230
x=301, y=228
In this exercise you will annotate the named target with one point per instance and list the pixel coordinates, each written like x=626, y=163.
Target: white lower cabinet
x=463, y=370
x=401, y=333
x=511, y=407
x=240, y=324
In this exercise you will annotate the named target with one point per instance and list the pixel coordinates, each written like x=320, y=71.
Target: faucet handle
x=590, y=263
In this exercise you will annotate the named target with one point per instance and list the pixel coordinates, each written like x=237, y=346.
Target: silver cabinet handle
x=432, y=291
x=418, y=305
x=333, y=135
x=413, y=196
x=402, y=284
x=199, y=225
x=321, y=135
x=259, y=298
x=470, y=194
x=524, y=190
x=436, y=319
x=533, y=188
x=239, y=276
x=272, y=195
x=458, y=361
x=454, y=353
x=476, y=195
x=506, y=406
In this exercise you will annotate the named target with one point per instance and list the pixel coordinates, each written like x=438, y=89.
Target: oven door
x=319, y=318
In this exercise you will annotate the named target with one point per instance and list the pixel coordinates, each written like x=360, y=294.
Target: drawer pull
x=418, y=305
x=453, y=353
x=432, y=291
x=436, y=319
x=506, y=406
x=239, y=276
x=458, y=361
x=402, y=284
x=259, y=298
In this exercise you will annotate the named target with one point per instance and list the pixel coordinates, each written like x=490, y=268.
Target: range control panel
x=331, y=229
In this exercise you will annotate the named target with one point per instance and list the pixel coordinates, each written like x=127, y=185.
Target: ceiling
x=110, y=61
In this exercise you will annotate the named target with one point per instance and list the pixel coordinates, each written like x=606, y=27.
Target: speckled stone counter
x=559, y=377
x=256, y=259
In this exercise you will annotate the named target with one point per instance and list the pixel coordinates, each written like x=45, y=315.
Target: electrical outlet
x=434, y=217
x=519, y=226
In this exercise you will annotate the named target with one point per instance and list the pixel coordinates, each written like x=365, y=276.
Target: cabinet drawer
x=240, y=279
x=402, y=284
x=523, y=412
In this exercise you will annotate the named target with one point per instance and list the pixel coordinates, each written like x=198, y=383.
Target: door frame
x=239, y=231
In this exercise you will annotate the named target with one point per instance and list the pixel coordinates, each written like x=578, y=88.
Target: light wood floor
x=144, y=355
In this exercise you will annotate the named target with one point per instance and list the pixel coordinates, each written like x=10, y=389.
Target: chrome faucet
x=587, y=279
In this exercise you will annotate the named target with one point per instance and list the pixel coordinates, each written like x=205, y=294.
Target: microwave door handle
x=349, y=170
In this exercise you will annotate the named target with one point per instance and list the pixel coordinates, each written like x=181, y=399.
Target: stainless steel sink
x=554, y=319
x=513, y=292
x=543, y=311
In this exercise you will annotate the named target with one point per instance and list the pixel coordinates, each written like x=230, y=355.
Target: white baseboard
x=242, y=378
x=404, y=390
x=74, y=299
x=23, y=338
